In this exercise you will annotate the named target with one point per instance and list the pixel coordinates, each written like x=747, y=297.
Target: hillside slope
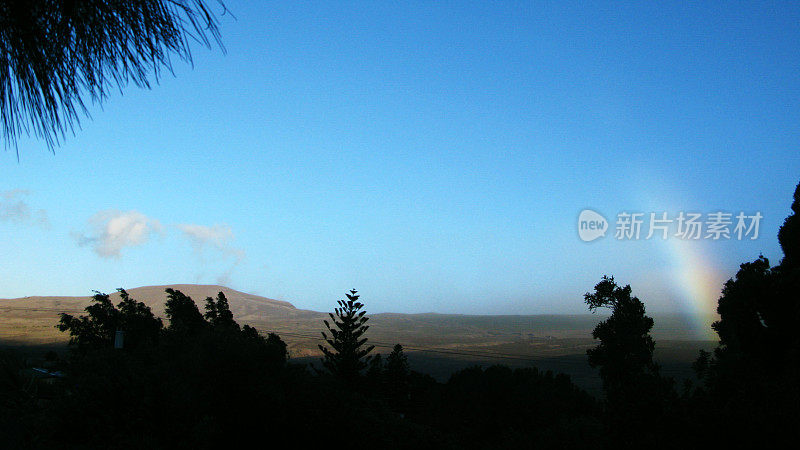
x=32, y=320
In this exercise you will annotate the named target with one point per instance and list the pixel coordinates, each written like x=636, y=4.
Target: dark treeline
x=204, y=381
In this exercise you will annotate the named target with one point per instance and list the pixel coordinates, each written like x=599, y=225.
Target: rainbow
x=693, y=270
x=698, y=283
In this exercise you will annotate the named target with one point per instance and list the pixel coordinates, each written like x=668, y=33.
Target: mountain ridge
x=32, y=320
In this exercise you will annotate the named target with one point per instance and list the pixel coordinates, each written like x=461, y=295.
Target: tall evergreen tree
x=397, y=363
x=398, y=374
x=347, y=355
x=218, y=312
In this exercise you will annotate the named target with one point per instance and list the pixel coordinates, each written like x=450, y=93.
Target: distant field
x=674, y=357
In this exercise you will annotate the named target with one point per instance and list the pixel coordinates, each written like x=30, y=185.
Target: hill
x=31, y=320
x=438, y=342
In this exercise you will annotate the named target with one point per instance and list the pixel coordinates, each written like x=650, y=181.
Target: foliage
x=625, y=351
x=640, y=405
x=218, y=312
x=200, y=376
x=500, y=407
x=347, y=355
x=54, y=55
x=789, y=234
x=184, y=316
x=375, y=371
x=97, y=329
x=207, y=382
x=751, y=383
x=397, y=363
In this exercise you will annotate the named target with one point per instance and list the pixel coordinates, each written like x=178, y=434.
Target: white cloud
x=217, y=237
x=14, y=208
x=111, y=231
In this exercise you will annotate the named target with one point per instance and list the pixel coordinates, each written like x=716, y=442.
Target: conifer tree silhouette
x=398, y=374
x=347, y=356
x=218, y=313
x=397, y=363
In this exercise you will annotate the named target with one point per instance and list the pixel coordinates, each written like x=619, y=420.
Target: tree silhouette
x=637, y=397
x=759, y=312
x=397, y=363
x=218, y=312
x=500, y=407
x=97, y=329
x=375, y=371
x=347, y=356
x=789, y=234
x=751, y=381
x=200, y=384
x=398, y=373
x=184, y=316
x=274, y=347
x=746, y=313
x=625, y=352
x=55, y=54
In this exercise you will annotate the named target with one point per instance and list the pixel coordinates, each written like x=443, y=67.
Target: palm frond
x=57, y=55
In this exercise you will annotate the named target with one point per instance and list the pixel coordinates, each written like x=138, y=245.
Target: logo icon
x=591, y=225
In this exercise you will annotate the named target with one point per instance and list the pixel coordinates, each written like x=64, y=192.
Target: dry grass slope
x=31, y=321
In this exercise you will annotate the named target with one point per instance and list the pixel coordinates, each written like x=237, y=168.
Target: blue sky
x=433, y=155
